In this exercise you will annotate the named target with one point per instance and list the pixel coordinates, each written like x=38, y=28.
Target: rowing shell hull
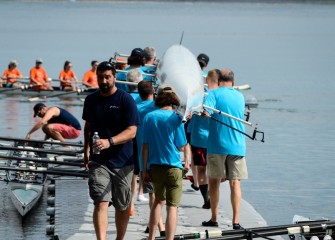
x=180, y=69
x=43, y=93
x=25, y=195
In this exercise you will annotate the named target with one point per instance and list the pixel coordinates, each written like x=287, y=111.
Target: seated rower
x=11, y=75
x=38, y=77
x=66, y=76
x=90, y=77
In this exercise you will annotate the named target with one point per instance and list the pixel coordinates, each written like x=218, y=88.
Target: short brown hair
x=166, y=96
x=145, y=88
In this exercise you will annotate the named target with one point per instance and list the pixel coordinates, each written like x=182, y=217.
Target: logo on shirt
x=114, y=106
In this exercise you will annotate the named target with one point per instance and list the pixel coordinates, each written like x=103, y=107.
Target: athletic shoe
x=237, y=226
x=146, y=230
x=210, y=223
x=207, y=205
x=194, y=187
x=142, y=198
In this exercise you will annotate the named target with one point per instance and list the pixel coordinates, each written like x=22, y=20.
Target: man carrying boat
x=56, y=123
x=11, y=75
x=225, y=147
x=38, y=77
x=112, y=113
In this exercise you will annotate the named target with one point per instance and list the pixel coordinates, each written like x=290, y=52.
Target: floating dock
x=74, y=210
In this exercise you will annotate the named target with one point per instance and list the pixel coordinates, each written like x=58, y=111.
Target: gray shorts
x=226, y=166
x=110, y=185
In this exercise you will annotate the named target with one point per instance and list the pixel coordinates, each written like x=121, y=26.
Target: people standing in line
x=66, y=77
x=112, y=113
x=203, y=60
x=146, y=91
x=226, y=147
x=38, y=77
x=11, y=75
x=199, y=137
x=90, y=77
x=57, y=123
x=135, y=60
x=149, y=60
x=163, y=138
x=135, y=76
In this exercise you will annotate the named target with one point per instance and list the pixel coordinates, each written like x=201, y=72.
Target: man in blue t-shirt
x=225, y=147
x=112, y=113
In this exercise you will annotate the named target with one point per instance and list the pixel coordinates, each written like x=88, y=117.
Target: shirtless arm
x=51, y=112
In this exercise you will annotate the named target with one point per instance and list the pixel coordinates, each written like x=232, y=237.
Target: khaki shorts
x=167, y=183
x=110, y=185
x=226, y=166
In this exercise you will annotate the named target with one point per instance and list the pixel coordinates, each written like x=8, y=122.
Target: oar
x=81, y=173
x=53, y=160
x=250, y=233
x=23, y=140
x=39, y=150
x=22, y=88
x=33, y=99
x=240, y=87
x=125, y=82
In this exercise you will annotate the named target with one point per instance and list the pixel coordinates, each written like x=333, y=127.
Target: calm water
x=286, y=52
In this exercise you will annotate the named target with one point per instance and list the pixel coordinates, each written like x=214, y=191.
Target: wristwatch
x=111, y=141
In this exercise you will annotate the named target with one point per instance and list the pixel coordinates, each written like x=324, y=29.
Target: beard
x=105, y=87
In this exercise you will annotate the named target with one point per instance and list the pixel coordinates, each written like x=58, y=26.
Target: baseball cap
x=137, y=52
x=203, y=58
x=37, y=108
x=39, y=60
x=121, y=60
x=13, y=62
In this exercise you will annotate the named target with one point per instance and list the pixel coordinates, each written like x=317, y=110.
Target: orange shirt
x=11, y=73
x=66, y=76
x=90, y=77
x=40, y=76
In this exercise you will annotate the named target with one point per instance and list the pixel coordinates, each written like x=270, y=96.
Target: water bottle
x=95, y=138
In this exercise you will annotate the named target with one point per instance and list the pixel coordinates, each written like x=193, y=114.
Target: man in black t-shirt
x=112, y=113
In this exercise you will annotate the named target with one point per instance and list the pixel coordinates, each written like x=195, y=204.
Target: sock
x=204, y=192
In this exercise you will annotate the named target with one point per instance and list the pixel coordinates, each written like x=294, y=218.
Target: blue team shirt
x=136, y=96
x=122, y=76
x=199, y=131
x=222, y=139
x=143, y=107
x=110, y=116
x=163, y=131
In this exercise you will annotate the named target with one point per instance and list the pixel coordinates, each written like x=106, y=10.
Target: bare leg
x=100, y=220
x=235, y=196
x=155, y=215
x=171, y=222
x=133, y=190
x=161, y=226
x=121, y=222
x=51, y=133
x=214, y=193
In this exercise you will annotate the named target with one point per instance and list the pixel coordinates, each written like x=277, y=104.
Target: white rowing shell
x=180, y=69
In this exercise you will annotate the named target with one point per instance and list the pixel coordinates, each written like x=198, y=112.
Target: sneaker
x=142, y=198
x=207, y=205
x=194, y=187
x=146, y=230
x=210, y=223
x=237, y=226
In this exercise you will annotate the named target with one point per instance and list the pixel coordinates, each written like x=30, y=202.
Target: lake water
x=285, y=51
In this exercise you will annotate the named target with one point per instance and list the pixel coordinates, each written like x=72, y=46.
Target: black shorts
x=199, y=156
